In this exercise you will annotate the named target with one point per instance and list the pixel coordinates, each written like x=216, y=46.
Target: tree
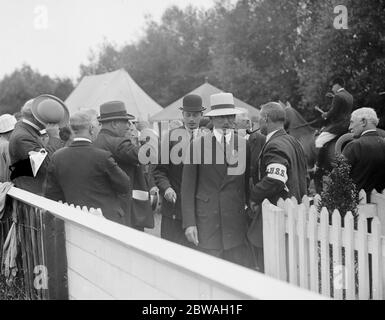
x=24, y=84
x=356, y=54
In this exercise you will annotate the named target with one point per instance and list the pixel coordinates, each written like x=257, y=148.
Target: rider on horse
x=337, y=117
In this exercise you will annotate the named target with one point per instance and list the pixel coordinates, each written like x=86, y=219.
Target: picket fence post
x=274, y=240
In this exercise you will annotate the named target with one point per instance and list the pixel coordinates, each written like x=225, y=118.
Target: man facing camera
x=213, y=194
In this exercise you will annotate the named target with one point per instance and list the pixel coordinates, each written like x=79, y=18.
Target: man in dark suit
x=87, y=176
x=214, y=187
x=366, y=154
x=168, y=177
x=282, y=170
x=338, y=116
x=112, y=137
x=256, y=143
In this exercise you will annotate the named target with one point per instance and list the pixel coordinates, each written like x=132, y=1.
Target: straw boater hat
x=50, y=109
x=222, y=104
x=192, y=103
x=7, y=123
x=114, y=110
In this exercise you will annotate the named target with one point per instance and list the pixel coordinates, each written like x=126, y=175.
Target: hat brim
x=200, y=110
x=223, y=112
x=128, y=117
x=35, y=103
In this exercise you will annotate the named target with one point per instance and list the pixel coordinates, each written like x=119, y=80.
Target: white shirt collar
x=339, y=90
x=82, y=139
x=194, y=132
x=366, y=131
x=268, y=137
x=218, y=135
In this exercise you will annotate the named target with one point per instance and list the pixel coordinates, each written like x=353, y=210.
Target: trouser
x=242, y=255
x=324, y=138
x=172, y=230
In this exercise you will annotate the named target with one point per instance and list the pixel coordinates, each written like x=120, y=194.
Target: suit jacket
x=87, y=176
x=170, y=175
x=23, y=140
x=126, y=155
x=213, y=200
x=281, y=150
x=256, y=143
x=338, y=117
x=366, y=155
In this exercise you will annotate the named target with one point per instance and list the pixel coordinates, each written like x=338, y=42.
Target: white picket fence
x=96, y=212
x=303, y=247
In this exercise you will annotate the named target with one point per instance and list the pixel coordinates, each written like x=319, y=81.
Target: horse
x=305, y=133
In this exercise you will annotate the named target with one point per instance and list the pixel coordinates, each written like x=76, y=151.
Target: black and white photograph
x=216, y=152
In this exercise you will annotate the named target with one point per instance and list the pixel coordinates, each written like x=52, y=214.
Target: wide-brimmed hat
x=114, y=110
x=192, y=103
x=222, y=104
x=47, y=108
x=7, y=123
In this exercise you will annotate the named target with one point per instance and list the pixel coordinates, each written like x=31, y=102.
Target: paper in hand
x=36, y=158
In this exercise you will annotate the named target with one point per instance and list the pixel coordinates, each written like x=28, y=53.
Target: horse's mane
x=299, y=128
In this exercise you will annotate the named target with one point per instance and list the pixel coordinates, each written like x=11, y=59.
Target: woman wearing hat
x=7, y=124
x=27, y=136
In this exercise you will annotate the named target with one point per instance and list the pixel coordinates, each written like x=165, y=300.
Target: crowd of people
x=95, y=162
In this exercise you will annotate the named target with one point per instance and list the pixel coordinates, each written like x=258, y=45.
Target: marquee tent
x=172, y=111
x=92, y=91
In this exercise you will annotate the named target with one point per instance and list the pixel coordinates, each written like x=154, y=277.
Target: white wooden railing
x=107, y=260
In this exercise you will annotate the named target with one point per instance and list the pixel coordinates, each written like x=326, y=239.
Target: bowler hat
x=114, y=110
x=50, y=109
x=222, y=104
x=7, y=123
x=192, y=103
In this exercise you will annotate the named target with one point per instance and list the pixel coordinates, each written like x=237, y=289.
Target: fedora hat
x=50, y=109
x=222, y=104
x=192, y=103
x=114, y=110
x=7, y=123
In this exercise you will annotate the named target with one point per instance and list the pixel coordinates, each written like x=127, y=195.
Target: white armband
x=277, y=171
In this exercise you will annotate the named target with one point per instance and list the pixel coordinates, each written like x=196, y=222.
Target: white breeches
x=323, y=138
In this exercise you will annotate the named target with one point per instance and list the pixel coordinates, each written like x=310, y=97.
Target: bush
x=340, y=192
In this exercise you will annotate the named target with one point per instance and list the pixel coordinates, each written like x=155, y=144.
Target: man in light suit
x=213, y=194
x=168, y=177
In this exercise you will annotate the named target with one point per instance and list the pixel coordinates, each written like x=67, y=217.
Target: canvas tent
x=92, y=91
x=172, y=111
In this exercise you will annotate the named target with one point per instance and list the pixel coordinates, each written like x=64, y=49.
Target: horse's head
x=298, y=127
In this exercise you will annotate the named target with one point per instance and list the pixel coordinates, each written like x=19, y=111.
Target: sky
x=56, y=36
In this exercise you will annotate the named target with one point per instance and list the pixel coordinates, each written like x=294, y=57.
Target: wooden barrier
x=107, y=260
x=321, y=255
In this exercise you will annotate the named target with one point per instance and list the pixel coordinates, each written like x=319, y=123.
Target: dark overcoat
x=87, y=176
x=338, y=117
x=212, y=199
x=281, y=150
x=23, y=140
x=125, y=154
x=366, y=155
